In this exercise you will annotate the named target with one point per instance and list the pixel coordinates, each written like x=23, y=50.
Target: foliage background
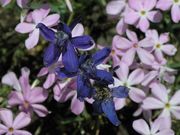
x=14, y=55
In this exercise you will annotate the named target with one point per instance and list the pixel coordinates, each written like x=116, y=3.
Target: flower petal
x=6, y=117
x=5, y=2
x=115, y=7
x=78, y=30
x=149, y=4
x=3, y=129
x=136, y=77
x=21, y=132
x=25, y=27
x=143, y=24
x=155, y=16
x=164, y=5
x=40, y=110
x=121, y=27
x=51, y=20
x=169, y=49
x=141, y=126
x=137, y=95
x=175, y=13
x=22, y=3
x=50, y=80
x=145, y=56
x=77, y=106
x=15, y=98
x=151, y=103
x=129, y=56
x=175, y=98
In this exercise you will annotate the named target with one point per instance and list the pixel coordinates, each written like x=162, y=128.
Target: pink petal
x=6, y=117
x=51, y=20
x=33, y=39
x=137, y=95
x=21, y=121
x=77, y=106
x=136, y=77
x=135, y=4
x=50, y=80
x=149, y=77
x=145, y=56
x=132, y=35
x=122, y=43
x=164, y=38
x=169, y=49
x=138, y=112
x=160, y=91
x=155, y=16
x=3, y=129
x=175, y=13
x=121, y=27
x=143, y=24
x=129, y=56
x=159, y=55
x=22, y=3
x=155, y=126
x=115, y=7
x=131, y=17
x=21, y=132
x=151, y=103
x=166, y=132
x=141, y=126
x=15, y=98
x=146, y=42
x=175, y=100
x=40, y=110
x=152, y=34
x=149, y=4
x=25, y=27
x=37, y=16
x=78, y=30
x=11, y=80
x=175, y=110
x=164, y=4
x=165, y=113
x=123, y=72
x=43, y=72
x=5, y=2
x=38, y=95
x=119, y=103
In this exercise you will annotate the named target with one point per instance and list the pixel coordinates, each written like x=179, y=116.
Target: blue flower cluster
x=84, y=67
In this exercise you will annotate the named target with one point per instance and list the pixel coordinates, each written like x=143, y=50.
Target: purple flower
x=21, y=3
x=141, y=13
x=37, y=16
x=174, y=5
x=13, y=127
x=28, y=98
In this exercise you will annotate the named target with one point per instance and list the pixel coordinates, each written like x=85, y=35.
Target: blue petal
x=47, y=33
x=101, y=55
x=63, y=27
x=51, y=54
x=83, y=59
x=82, y=42
x=109, y=110
x=103, y=77
x=75, y=22
x=84, y=88
x=97, y=106
x=70, y=58
x=120, y=92
x=63, y=74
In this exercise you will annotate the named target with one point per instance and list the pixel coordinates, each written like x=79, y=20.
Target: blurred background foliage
x=101, y=27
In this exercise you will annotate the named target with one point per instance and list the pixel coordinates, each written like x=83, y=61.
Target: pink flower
x=161, y=100
x=174, y=5
x=13, y=127
x=160, y=44
x=141, y=13
x=36, y=16
x=133, y=46
x=155, y=128
x=21, y=3
x=28, y=98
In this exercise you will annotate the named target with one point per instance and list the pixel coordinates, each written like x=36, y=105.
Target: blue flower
x=87, y=70
x=104, y=101
x=62, y=42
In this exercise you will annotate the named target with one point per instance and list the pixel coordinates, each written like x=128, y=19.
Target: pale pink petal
x=77, y=106
x=51, y=20
x=164, y=4
x=149, y=4
x=78, y=30
x=155, y=16
x=138, y=112
x=21, y=121
x=149, y=78
x=129, y=56
x=135, y=4
x=22, y=3
x=121, y=27
x=21, y=132
x=175, y=110
x=5, y=2
x=3, y=129
x=143, y=24
x=165, y=123
x=6, y=117
x=25, y=27
x=151, y=103
x=159, y=55
x=175, y=13
x=169, y=49
x=50, y=80
x=175, y=98
x=165, y=113
x=131, y=17
x=44, y=10
x=164, y=38
x=119, y=103
x=122, y=43
x=146, y=42
x=152, y=34
x=37, y=95
x=141, y=126
x=11, y=80
x=115, y=7
x=160, y=91
x=40, y=110
x=15, y=98
x=166, y=132
x=43, y=72
x=123, y=72
x=33, y=39
x=137, y=95
x=145, y=56
x=132, y=35
x=155, y=126
x=136, y=77
x=37, y=16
